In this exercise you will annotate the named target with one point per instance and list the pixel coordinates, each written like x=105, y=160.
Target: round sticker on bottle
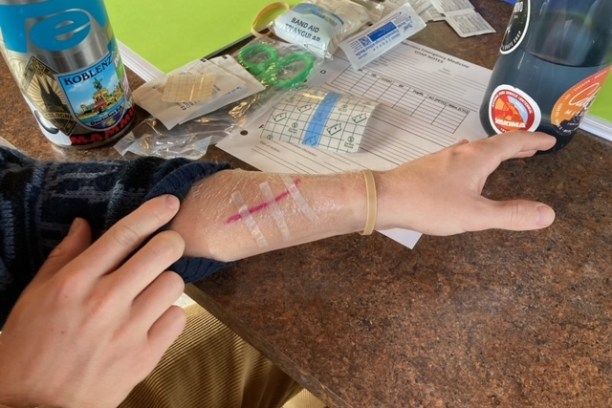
x=512, y=109
x=571, y=106
x=517, y=27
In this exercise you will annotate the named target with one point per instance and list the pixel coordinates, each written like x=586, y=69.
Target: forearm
x=439, y=194
x=235, y=214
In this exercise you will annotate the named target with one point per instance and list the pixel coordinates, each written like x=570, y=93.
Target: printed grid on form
x=400, y=101
x=294, y=120
x=427, y=101
x=404, y=99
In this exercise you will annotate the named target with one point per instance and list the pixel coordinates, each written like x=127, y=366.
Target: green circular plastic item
x=285, y=62
x=247, y=53
x=270, y=67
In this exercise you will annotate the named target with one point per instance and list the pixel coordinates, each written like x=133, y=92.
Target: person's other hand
x=97, y=317
x=440, y=194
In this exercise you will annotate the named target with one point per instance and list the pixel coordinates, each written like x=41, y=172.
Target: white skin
x=95, y=320
x=98, y=317
x=439, y=194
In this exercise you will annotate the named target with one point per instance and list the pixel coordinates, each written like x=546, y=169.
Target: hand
x=97, y=317
x=440, y=194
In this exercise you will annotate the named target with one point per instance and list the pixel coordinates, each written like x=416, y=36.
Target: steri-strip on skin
x=249, y=213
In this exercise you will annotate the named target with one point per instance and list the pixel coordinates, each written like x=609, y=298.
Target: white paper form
x=428, y=100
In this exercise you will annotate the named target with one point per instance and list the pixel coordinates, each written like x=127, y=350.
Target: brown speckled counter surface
x=489, y=319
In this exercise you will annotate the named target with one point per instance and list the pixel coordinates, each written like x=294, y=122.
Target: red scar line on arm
x=258, y=208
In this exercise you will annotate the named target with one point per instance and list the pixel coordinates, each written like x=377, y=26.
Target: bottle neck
x=571, y=33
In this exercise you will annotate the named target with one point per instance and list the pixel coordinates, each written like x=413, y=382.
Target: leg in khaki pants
x=210, y=366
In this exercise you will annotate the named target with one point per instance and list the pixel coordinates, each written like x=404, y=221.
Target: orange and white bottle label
x=572, y=105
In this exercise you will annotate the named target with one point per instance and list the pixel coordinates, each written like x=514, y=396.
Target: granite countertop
x=488, y=319
x=511, y=319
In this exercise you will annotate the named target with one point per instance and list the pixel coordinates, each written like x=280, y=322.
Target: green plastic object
x=265, y=63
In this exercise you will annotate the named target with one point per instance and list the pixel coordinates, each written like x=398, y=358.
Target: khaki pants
x=211, y=366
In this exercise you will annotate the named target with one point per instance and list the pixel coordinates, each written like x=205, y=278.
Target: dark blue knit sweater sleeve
x=39, y=201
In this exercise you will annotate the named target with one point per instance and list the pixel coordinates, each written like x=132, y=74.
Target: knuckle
x=466, y=149
x=101, y=304
x=167, y=244
x=516, y=214
x=125, y=236
x=58, y=251
x=67, y=288
x=174, y=281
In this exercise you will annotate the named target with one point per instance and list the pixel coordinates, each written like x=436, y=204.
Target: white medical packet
x=447, y=6
x=319, y=25
x=468, y=23
x=374, y=41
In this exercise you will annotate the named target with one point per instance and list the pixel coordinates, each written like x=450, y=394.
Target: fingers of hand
x=165, y=331
x=152, y=302
x=77, y=241
x=128, y=234
x=525, y=154
x=518, y=144
x=147, y=263
x=514, y=215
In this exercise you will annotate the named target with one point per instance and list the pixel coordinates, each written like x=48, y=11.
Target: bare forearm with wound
x=235, y=214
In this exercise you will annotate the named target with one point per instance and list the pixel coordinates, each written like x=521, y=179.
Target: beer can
x=65, y=59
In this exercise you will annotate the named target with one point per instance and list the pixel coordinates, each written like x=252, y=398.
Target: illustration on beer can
x=65, y=60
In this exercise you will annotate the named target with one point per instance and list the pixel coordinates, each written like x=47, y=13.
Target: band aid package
x=319, y=25
x=321, y=119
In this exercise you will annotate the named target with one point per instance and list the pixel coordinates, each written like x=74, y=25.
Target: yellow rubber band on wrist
x=372, y=202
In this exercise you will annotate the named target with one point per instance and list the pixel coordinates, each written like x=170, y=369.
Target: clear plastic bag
x=189, y=140
x=250, y=109
x=376, y=9
x=354, y=14
x=210, y=84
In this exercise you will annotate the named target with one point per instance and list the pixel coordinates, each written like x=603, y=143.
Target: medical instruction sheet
x=427, y=100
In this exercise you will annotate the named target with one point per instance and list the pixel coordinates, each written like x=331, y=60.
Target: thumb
x=77, y=240
x=516, y=215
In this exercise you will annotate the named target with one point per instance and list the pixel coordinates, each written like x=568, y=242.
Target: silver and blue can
x=65, y=59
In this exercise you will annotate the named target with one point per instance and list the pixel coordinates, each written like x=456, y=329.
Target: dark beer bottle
x=554, y=58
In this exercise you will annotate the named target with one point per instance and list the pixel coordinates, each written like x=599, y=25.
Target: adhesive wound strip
x=319, y=119
x=299, y=198
x=249, y=220
x=262, y=206
x=277, y=213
